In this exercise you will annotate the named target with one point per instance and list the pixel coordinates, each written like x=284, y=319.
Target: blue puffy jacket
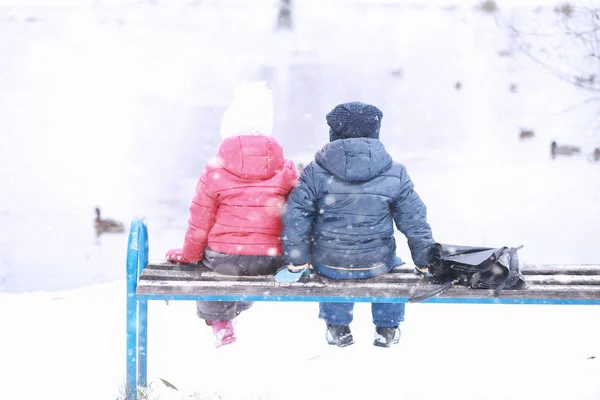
x=344, y=207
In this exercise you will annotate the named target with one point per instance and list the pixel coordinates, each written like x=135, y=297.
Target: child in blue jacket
x=340, y=219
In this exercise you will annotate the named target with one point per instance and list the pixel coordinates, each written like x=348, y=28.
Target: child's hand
x=176, y=255
x=285, y=275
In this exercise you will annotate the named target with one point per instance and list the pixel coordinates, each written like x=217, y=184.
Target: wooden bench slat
x=583, y=269
x=207, y=275
x=563, y=280
x=274, y=290
x=345, y=284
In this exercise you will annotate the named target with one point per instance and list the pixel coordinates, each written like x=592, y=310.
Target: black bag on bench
x=474, y=267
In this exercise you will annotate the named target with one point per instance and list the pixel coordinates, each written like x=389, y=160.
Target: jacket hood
x=356, y=159
x=251, y=157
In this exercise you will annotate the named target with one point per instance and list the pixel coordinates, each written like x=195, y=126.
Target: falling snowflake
x=295, y=253
x=254, y=216
x=329, y=199
x=215, y=162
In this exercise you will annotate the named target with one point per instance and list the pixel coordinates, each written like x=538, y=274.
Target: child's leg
x=387, y=314
x=216, y=310
x=219, y=315
x=338, y=317
x=387, y=317
x=241, y=265
x=336, y=313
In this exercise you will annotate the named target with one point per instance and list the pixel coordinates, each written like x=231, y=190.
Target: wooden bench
x=161, y=280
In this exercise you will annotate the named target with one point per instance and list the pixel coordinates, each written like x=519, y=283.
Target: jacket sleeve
x=292, y=180
x=202, y=218
x=297, y=218
x=410, y=215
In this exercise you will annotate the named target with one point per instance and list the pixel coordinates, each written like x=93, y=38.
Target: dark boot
x=386, y=336
x=339, y=335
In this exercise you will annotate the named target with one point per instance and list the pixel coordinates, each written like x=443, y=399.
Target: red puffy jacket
x=239, y=198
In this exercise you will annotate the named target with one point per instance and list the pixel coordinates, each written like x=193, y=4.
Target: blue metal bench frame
x=137, y=303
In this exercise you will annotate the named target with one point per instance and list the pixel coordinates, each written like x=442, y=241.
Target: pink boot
x=223, y=331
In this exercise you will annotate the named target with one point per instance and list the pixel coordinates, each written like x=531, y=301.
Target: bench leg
x=142, y=340
x=137, y=310
x=131, y=383
x=142, y=326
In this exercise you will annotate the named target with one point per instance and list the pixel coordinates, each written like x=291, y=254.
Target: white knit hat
x=250, y=111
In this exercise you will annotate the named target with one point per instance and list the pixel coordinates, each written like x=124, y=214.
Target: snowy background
x=117, y=104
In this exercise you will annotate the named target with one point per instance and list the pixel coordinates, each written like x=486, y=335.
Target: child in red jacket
x=235, y=226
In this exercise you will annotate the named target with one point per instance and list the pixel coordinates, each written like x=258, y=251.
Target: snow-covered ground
x=70, y=345
x=119, y=106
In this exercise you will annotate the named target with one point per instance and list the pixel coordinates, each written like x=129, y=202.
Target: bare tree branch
x=569, y=49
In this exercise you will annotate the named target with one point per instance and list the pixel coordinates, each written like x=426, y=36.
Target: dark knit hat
x=354, y=120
